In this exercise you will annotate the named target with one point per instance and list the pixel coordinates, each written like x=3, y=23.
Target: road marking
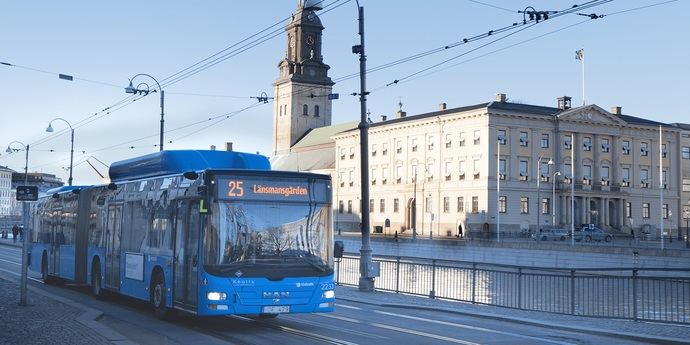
x=342, y=318
x=10, y=272
x=482, y=329
x=347, y=306
x=424, y=334
x=335, y=328
x=11, y=262
x=286, y=329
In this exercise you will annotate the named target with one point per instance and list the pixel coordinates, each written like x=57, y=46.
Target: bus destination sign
x=278, y=190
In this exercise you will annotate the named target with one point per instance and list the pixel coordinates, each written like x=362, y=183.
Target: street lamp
x=71, y=152
x=550, y=162
x=553, y=200
x=25, y=219
x=136, y=90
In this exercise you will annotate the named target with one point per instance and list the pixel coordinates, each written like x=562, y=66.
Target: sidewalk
x=657, y=333
x=47, y=318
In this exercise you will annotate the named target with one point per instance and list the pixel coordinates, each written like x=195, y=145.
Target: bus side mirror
x=191, y=175
x=112, y=186
x=338, y=249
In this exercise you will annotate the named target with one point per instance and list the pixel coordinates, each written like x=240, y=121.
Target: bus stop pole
x=25, y=238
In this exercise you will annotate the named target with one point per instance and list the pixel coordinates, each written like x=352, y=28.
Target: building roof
x=685, y=126
x=3, y=168
x=524, y=108
x=322, y=135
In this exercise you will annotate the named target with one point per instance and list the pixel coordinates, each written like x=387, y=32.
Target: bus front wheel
x=158, y=297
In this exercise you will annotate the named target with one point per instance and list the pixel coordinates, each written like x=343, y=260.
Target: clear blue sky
x=638, y=60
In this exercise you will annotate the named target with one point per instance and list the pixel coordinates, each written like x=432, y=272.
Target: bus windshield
x=253, y=238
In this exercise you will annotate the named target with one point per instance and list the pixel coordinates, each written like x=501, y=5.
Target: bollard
x=432, y=293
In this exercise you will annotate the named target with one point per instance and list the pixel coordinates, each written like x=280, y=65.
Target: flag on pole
x=580, y=54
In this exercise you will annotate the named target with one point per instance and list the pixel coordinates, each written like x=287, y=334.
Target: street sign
x=27, y=193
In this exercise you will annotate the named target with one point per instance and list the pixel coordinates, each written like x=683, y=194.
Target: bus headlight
x=328, y=294
x=216, y=296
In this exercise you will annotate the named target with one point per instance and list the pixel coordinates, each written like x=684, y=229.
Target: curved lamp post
x=145, y=91
x=71, y=152
x=25, y=231
x=553, y=199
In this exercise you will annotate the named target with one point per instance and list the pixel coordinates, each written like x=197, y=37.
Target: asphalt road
x=351, y=323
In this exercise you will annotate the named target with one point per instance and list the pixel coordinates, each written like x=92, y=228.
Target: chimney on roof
x=442, y=106
x=384, y=118
x=213, y=147
x=228, y=146
x=617, y=110
x=501, y=97
x=564, y=102
x=401, y=114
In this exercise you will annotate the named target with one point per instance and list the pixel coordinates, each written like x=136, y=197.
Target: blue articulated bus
x=205, y=232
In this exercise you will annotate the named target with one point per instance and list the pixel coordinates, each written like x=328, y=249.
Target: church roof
x=322, y=135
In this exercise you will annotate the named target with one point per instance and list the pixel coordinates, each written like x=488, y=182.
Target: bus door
x=112, y=251
x=186, y=253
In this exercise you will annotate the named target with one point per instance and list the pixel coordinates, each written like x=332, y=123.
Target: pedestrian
x=15, y=232
x=460, y=231
x=21, y=233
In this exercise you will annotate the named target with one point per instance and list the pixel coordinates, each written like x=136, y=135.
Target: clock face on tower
x=310, y=40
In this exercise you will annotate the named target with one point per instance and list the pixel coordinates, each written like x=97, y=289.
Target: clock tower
x=303, y=87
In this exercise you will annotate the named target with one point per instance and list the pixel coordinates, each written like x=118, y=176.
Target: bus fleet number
x=235, y=188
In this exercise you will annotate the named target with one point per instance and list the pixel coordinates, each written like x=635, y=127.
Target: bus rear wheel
x=159, y=296
x=96, y=287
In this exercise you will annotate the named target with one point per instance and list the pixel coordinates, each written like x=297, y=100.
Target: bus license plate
x=276, y=309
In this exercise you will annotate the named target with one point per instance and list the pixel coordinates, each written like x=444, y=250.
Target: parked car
x=589, y=233
x=550, y=235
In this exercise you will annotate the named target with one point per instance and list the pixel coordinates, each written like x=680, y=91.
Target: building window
x=625, y=172
x=430, y=143
x=462, y=139
x=446, y=204
x=524, y=139
x=502, y=136
x=396, y=205
x=626, y=147
x=645, y=210
x=644, y=149
x=665, y=211
x=384, y=149
x=605, y=145
x=628, y=210
x=398, y=146
x=545, y=141
x=341, y=206
x=462, y=170
x=352, y=153
x=305, y=110
x=524, y=205
x=371, y=205
x=544, y=172
x=414, y=144
x=663, y=150
x=685, y=152
x=587, y=172
x=568, y=142
x=587, y=144
x=461, y=204
x=476, y=137
x=448, y=170
x=524, y=176
x=477, y=166
x=605, y=176
x=349, y=206
x=449, y=141
x=545, y=205
x=475, y=204
x=382, y=205
x=502, y=201
x=644, y=178
x=502, y=169
x=373, y=150
x=342, y=154
x=427, y=205
x=384, y=175
x=316, y=111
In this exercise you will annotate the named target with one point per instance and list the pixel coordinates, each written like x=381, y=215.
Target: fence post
x=519, y=287
x=337, y=277
x=432, y=293
x=474, y=282
x=397, y=274
x=572, y=292
x=634, y=282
